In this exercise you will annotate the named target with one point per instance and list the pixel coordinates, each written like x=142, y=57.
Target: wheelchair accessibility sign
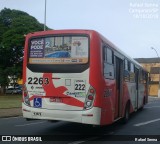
x=37, y=102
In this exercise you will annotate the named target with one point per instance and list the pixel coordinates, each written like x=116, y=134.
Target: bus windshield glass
x=59, y=50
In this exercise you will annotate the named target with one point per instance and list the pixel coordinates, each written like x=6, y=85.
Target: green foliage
x=14, y=25
x=10, y=101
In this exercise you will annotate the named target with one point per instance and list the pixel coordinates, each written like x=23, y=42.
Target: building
x=152, y=65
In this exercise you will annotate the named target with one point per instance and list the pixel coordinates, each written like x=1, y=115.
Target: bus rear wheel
x=144, y=102
x=126, y=114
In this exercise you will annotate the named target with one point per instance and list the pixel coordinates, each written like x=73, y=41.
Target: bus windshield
x=59, y=50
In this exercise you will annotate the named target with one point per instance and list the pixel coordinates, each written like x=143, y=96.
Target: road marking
x=147, y=122
x=77, y=142
x=10, y=118
x=88, y=139
x=154, y=101
x=153, y=107
x=30, y=124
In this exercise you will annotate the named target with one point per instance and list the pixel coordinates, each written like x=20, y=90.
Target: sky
x=132, y=25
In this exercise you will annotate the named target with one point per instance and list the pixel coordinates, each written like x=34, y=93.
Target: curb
x=10, y=116
x=10, y=112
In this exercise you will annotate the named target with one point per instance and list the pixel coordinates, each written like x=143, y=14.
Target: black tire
x=144, y=102
x=126, y=114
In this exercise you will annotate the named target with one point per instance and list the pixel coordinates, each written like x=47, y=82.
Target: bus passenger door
x=119, y=87
x=136, y=79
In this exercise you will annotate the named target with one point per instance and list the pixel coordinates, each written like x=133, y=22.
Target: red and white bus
x=80, y=76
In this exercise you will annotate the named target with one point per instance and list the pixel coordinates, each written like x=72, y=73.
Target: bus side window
x=132, y=74
x=126, y=70
x=140, y=76
x=126, y=65
x=129, y=65
x=108, y=63
x=109, y=56
x=132, y=67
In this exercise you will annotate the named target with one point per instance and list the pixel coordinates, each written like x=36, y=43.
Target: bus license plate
x=57, y=100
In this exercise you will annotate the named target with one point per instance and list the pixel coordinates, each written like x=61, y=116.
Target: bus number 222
x=80, y=87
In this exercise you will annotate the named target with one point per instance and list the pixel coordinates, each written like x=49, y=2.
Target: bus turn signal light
x=90, y=98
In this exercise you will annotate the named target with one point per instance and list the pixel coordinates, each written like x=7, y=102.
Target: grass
x=10, y=101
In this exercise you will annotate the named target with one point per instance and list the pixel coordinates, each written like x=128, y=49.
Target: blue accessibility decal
x=37, y=102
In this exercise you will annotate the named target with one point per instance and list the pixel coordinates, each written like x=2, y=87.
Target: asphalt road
x=142, y=124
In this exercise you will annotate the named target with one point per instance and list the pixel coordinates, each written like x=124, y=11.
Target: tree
x=14, y=24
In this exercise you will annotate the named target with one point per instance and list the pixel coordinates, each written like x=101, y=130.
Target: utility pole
x=158, y=69
x=45, y=12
